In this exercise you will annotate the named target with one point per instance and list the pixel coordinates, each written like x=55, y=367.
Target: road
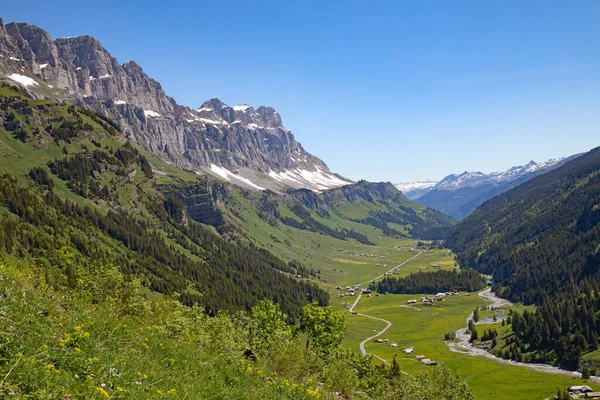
x=388, y=323
x=462, y=344
x=397, y=266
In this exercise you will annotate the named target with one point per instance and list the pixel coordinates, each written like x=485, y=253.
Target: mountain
x=414, y=190
x=540, y=236
x=458, y=195
x=541, y=242
x=75, y=194
x=242, y=145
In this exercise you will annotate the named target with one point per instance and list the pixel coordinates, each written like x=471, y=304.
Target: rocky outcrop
x=240, y=144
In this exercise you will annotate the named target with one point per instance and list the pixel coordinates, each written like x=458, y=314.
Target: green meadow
x=422, y=326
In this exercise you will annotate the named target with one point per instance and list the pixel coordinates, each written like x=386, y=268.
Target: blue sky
x=384, y=91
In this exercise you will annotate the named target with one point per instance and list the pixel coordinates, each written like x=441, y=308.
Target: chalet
x=409, y=350
x=592, y=395
x=394, y=345
x=436, y=266
x=346, y=305
x=580, y=389
x=338, y=288
x=420, y=357
x=376, y=294
x=366, y=291
x=380, y=341
x=411, y=302
x=426, y=361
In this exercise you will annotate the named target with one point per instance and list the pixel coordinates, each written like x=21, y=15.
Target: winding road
x=389, y=324
x=462, y=344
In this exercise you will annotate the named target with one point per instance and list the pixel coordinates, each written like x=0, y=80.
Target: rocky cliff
x=242, y=145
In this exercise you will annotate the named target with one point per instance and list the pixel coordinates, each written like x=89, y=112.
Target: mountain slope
x=540, y=236
x=458, y=195
x=239, y=144
x=70, y=186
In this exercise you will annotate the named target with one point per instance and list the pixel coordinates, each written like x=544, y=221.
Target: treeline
x=269, y=211
x=432, y=282
x=82, y=171
x=224, y=276
x=540, y=237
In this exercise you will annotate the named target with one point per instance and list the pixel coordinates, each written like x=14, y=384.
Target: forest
x=432, y=282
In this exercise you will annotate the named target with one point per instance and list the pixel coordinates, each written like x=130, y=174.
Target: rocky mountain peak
x=239, y=144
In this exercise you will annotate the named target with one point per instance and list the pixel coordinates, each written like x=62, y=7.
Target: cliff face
x=240, y=144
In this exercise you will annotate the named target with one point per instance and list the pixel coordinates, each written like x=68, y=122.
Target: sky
x=394, y=91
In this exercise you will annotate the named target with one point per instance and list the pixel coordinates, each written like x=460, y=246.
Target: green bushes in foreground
x=97, y=343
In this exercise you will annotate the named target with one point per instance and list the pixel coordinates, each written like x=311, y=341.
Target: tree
x=474, y=335
x=476, y=315
x=270, y=320
x=395, y=369
x=324, y=327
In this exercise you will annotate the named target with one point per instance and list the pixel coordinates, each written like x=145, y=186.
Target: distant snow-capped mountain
x=458, y=195
x=413, y=190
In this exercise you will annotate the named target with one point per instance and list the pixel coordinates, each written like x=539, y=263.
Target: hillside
x=75, y=185
x=541, y=241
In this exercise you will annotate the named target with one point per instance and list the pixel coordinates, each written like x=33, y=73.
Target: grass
x=423, y=327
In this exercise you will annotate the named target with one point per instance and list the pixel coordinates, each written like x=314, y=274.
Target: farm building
x=420, y=357
x=580, y=389
x=411, y=301
x=409, y=350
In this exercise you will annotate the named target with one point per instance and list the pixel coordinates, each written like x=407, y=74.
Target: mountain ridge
x=239, y=144
x=458, y=195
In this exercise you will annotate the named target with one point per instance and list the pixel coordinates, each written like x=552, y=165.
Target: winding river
x=462, y=345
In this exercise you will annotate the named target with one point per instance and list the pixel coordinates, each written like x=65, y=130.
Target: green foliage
x=432, y=282
x=80, y=344
x=324, y=328
x=538, y=237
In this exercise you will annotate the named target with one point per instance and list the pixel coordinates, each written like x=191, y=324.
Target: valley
x=154, y=250
x=423, y=325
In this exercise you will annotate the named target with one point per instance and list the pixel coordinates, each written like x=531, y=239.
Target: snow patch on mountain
x=318, y=179
x=228, y=176
x=150, y=113
x=23, y=80
x=241, y=107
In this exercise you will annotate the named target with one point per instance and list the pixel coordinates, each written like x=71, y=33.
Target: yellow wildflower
x=102, y=392
x=120, y=389
x=77, y=349
x=158, y=391
x=145, y=376
x=172, y=392
x=77, y=328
